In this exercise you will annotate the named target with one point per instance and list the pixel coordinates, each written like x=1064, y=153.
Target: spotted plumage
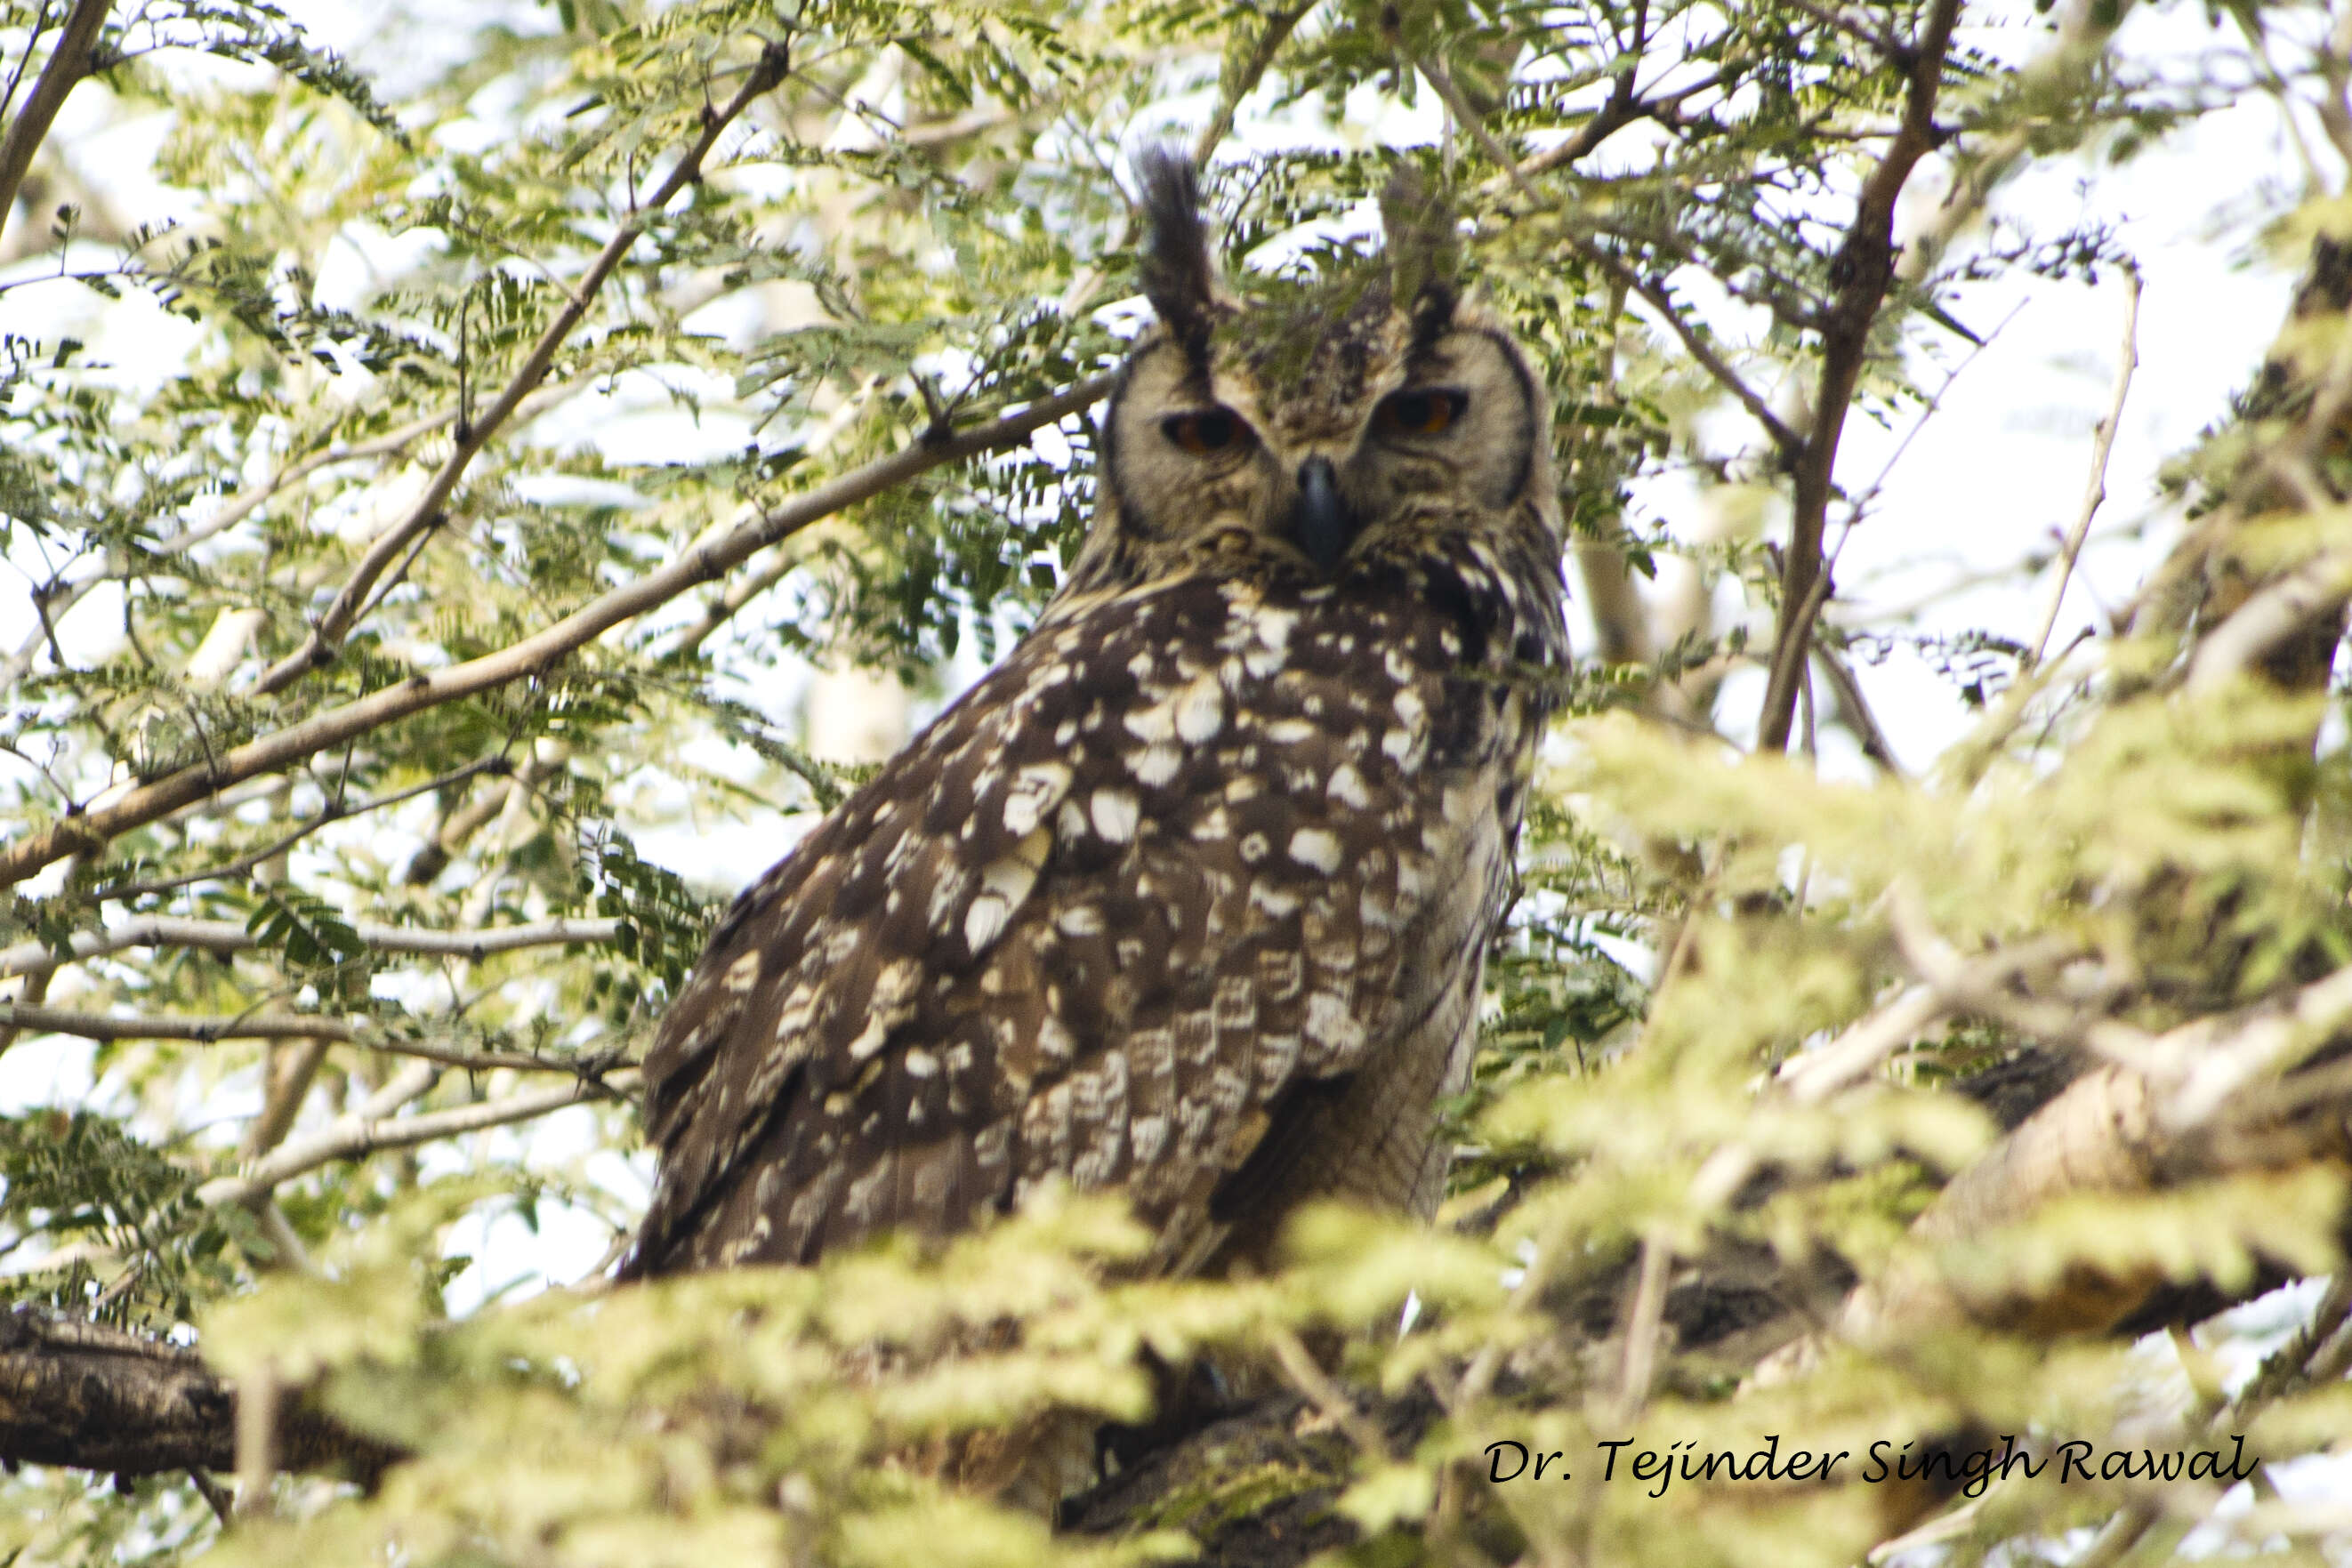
x=1188, y=897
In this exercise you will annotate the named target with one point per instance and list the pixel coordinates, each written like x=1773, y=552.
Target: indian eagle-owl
x=1188, y=898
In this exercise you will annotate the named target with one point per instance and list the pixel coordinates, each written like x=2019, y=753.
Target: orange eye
x=1211, y=430
x=1422, y=412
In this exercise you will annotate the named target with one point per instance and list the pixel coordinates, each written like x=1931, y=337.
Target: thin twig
x=1644, y=1323
x=215, y=1499
x=256, y=1441
x=335, y=813
x=229, y=937
x=1462, y=110
x=1270, y=39
x=1311, y=1379
x=1786, y=441
x=61, y=597
x=212, y=1029
x=327, y=636
x=292, y=1068
x=2094, y=487
x=355, y=1137
x=1856, y=709
x=1890, y=47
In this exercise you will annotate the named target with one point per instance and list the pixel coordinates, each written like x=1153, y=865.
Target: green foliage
x=126, y=1240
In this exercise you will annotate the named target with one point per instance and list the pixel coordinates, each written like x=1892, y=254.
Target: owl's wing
x=1181, y=859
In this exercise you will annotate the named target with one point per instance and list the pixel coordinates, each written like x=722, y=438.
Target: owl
x=1188, y=898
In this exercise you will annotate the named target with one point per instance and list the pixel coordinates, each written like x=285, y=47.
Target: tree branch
x=303, y=830
x=228, y=936
x=533, y=655
x=69, y=61
x=358, y=1136
x=56, y=597
x=75, y=1393
x=1785, y=439
x=208, y=1030
x=1861, y=272
x=326, y=637
x=1270, y=39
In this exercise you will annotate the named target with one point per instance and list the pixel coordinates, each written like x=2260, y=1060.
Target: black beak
x=1320, y=524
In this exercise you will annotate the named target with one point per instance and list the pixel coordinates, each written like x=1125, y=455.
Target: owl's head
x=1354, y=416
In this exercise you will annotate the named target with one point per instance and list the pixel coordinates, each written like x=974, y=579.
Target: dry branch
x=73, y=1392
x=1863, y=270
x=72, y=59
x=534, y=654
x=2094, y=488
x=357, y=1135
x=228, y=936
x=2218, y=1095
x=208, y=1030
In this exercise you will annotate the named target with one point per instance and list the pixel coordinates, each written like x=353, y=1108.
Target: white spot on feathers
x=1149, y=1135
x=1157, y=723
x=869, y=1039
x=1315, y=847
x=1155, y=764
x=1330, y=1023
x=1272, y=626
x=1274, y=901
x=1114, y=813
x=985, y=921
x=1347, y=786
x=1034, y=790
x=1200, y=710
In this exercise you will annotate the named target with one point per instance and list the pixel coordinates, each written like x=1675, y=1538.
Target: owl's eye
x=1211, y=430
x=1430, y=411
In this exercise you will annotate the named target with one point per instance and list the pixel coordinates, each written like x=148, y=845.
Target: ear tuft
x=1177, y=272
x=1424, y=248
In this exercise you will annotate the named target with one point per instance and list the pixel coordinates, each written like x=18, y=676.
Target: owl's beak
x=1320, y=523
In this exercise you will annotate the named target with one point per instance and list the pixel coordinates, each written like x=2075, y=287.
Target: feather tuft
x=1178, y=277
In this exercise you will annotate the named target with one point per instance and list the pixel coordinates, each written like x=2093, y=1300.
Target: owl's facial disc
x=1419, y=429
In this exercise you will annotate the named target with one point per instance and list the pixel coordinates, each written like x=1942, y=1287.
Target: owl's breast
x=1189, y=849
